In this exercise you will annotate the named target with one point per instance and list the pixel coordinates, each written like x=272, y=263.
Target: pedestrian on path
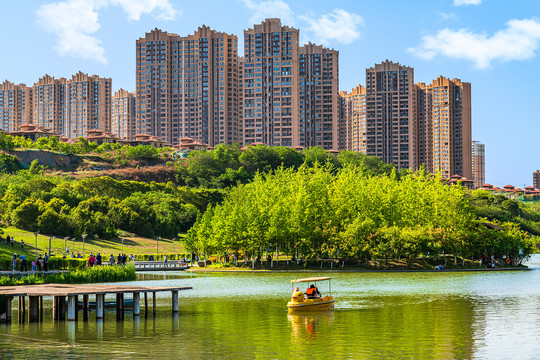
x=14, y=261
x=23, y=263
x=46, y=262
x=34, y=266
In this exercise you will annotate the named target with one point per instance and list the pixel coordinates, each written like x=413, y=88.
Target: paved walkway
x=25, y=273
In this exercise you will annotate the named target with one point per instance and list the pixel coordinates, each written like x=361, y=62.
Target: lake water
x=444, y=315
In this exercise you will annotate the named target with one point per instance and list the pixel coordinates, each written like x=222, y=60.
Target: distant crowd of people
x=40, y=264
x=10, y=241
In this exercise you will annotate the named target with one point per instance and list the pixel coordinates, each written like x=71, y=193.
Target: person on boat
x=312, y=292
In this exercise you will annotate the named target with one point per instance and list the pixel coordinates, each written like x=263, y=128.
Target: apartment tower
x=443, y=127
x=478, y=164
x=72, y=107
x=390, y=113
x=352, y=124
x=318, y=97
x=188, y=86
x=271, y=84
x=15, y=106
x=536, y=179
x=123, y=114
x=88, y=104
x=49, y=104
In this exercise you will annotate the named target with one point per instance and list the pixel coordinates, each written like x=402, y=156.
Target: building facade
x=72, y=107
x=478, y=164
x=352, y=123
x=188, y=86
x=390, y=114
x=123, y=110
x=49, y=104
x=87, y=105
x=318, y=97
x=536, y=179
x=15, y=106
x=270, y=84
x=442, y=127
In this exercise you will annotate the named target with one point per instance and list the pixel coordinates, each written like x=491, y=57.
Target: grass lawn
x=132, y=245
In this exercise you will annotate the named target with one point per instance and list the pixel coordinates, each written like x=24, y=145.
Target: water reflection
x=305, y=326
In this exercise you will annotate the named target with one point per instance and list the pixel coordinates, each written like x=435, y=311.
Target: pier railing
x=169, y=265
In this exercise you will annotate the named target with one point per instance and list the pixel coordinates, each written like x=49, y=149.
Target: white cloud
x=160, y=9
x=270, y=9
x=75, y=21
x=340, y=26
x=518, y=41
x=447, y=16
x=467, y=2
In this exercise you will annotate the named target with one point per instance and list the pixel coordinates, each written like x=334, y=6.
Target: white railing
x=161, y=265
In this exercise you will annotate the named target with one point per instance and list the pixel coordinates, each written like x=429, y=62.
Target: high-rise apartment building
x=188, y=86
x=72, y=107
x=478, y=164
x=123, y=114
x=352, y=123
x=88, y=104
x=270, y=88
x=536, y=179
x=390, y=113
x=318, y=97
x=15, y=106
x=442, y=127
x=49, y=104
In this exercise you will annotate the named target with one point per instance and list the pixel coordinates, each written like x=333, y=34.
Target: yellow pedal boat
x=312, y=299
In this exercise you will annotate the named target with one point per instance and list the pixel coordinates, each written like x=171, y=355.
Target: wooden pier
x=170, y=265
x=59, y=292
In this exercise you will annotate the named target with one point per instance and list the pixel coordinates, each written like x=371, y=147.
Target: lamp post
x=65, y=244
x=173, y=240
x=83, y=237
x=36, y=233
x=157, y=244
x=122, y=245
x=73, y=245
x=50, y=238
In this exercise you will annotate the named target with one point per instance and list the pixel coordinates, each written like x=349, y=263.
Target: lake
x=436, y=315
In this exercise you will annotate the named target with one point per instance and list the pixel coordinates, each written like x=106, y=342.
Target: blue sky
x=491, y=43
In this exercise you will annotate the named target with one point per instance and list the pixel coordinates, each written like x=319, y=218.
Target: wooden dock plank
x=80, y=289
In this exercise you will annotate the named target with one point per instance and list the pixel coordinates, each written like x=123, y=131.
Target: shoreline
x=203, y=270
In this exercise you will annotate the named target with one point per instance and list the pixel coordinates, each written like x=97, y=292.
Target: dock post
x=9, y=299
x=33, y=308
x=175, y=301
x=85, y=307
x=119, y=306
x=145, y=304
x=136, y=304
x=154, y=303
x=72, y=307
x=62, y=307
x=41, y=309
x=55, y=308
x=19, y=309
x=100, y=304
